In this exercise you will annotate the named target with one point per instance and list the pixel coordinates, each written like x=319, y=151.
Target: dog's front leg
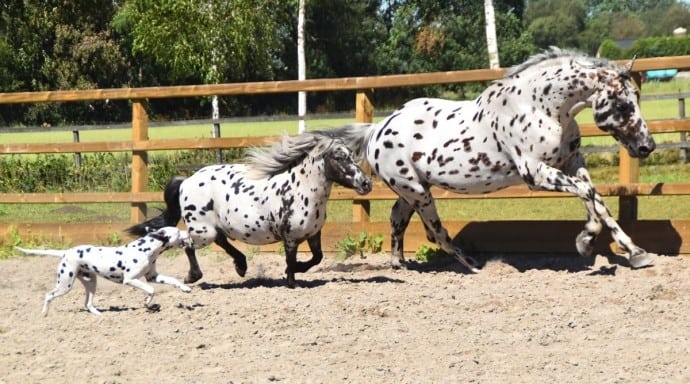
x=136, y=283
x=163, y=279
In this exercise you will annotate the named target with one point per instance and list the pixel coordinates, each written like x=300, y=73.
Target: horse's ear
x=628, y=67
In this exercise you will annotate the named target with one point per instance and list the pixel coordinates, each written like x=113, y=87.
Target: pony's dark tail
x=169, y=217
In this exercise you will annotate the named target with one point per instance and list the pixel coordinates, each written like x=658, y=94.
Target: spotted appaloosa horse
x=279, y=194
x=520, y=129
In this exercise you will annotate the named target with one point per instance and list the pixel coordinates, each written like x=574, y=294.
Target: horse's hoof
x=193, y=277
x=584, y=247
x=468, y=262
x=640, y=258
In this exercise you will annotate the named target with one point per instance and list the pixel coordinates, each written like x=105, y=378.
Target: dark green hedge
x=649, y=47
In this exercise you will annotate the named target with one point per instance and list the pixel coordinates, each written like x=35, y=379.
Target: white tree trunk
x=491, y=34
x=301, y=70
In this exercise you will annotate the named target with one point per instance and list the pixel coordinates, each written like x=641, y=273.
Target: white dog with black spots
x=125, y=264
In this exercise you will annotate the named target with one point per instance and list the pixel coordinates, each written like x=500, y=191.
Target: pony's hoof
x=398, y=263
x=241, y=267
x=193, y=277
x=639, y=258
x=584, y=244
x=291, y=282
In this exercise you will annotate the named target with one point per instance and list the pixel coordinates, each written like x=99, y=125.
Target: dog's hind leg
x=65, y=280
x=153, y=276
x=89, y=281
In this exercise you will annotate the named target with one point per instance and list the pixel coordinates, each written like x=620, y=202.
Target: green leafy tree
x=556, y=22
x=59, y=45
x=447, y=35
x=207, y=41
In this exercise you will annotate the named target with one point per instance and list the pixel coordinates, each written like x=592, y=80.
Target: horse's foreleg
x=238, y=257
x=291, y=260
x=598, y=214
x=400, y=218
x=194, y=273
x=316, y=251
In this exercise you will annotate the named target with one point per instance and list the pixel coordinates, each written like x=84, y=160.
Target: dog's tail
x=41, y=252
x=169, y=217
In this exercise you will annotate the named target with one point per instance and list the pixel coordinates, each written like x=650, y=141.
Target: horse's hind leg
x=316, y=252
x=291, y=260
x=400, y=218
x=426, y=208
x=238, y=257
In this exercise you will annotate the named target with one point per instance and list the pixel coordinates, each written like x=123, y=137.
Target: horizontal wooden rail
x=587, y=130
x=380, y=192
x=294, y=86
x=129, y=146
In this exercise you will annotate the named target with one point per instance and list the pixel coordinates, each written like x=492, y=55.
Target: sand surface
x=523, y=319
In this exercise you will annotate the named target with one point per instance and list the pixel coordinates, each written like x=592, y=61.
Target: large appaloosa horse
x=522, y=128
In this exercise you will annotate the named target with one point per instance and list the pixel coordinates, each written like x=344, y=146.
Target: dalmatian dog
x=125, y=264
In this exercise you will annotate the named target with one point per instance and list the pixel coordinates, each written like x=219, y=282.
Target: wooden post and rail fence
x=535, y=236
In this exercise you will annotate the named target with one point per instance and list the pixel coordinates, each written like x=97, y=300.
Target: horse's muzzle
x=364, y=186
x=646, y=149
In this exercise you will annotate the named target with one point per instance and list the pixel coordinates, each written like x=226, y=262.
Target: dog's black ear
x=160, y=236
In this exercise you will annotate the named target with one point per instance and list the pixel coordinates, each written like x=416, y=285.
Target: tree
x=51, y=45
x=301, y=68
x=180, y=35
x=490, y=18
x=556, y=22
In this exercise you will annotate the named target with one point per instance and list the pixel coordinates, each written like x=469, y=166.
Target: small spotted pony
x=280, y=193
x=522, y=128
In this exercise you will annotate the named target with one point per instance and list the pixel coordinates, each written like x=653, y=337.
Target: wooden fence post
x=683, y=135
x=216, y=135
x=77, y=155
x=629, y=172
x=364, y=113
x=140, y=132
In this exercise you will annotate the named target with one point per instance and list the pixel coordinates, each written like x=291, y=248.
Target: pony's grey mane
x=555, y=53
x=268, y=161
x=354, y=136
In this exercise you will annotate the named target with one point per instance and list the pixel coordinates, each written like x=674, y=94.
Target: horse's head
x=341, y=167
x=616, y=110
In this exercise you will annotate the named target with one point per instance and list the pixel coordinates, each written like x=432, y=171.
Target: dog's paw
x=185, y=288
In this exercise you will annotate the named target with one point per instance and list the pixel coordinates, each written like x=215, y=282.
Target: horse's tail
x=355, y=136
x=169, y=217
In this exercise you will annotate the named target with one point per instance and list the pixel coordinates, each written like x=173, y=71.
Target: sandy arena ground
x=527, y=319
